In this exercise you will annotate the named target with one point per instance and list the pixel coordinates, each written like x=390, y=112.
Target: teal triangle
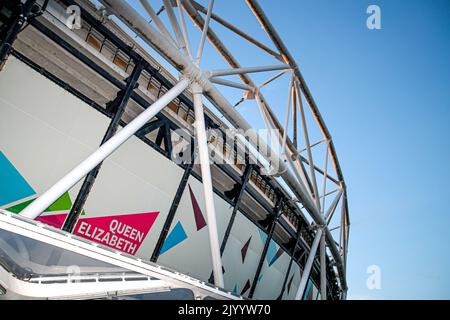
x=176, y=236
x=308, y=288
x=276, y=256
x=235, y=289
x=12, y=185
x=272, y=250
x=262, y=235
x=260, y=277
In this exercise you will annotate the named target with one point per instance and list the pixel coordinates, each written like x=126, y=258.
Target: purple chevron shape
x=245, y=249
x=198, y=215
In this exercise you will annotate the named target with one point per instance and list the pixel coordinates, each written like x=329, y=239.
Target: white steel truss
x=297, y=172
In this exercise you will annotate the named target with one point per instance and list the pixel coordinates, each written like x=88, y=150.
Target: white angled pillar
x=76, y=174
x=308, y=266
x=203, y=152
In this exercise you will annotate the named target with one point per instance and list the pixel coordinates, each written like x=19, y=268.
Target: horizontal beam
x=228, y=72
x=231, y=84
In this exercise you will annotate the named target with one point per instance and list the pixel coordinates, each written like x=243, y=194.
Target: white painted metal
x=175, y=26
x=286, y=121
x=228, y=72
x=185, y=33
x=332, y=207
x=40, y=232
x=325, y=170
x=148, y=8
x=323, y=268
x=163, y=45
x=76, y=174
x=200, y=133
x=204, y=33
x=265, y=83
x=313, y=145
x=308, y=147
x=308, y=266
x=232, y=84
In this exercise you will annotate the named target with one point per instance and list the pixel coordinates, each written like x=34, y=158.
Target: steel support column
x=323, y=268
x=276, y=214
x=118, y=105
x=77, y=173
x=308, y=265
x=205, y=166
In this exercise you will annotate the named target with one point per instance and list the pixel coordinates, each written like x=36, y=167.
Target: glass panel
x=28, y=258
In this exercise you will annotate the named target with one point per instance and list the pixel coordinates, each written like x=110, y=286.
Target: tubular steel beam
x=276, y=214
x=204, y=32
x=119, y=105
x=308, y=266
x=323, y=268
x=152, y=123
x=229, y=58
x=77, y=173
x=238, y=31
x=136, y=22
x=148, y=8
x=205, y=166
x=315, y=213
x=231, y=84
x=175, y=26
x=276, y=39
x=185, y=33
x=329, y=214
x=229, y=72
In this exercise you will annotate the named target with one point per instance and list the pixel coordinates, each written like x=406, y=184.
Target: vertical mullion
x=276, y=214
x=173, y=208
x=294, y=251
x=248, y=171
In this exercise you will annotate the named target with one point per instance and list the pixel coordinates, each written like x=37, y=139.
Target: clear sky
x=385, y=97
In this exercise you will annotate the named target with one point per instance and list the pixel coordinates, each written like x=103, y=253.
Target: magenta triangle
x=198, y=215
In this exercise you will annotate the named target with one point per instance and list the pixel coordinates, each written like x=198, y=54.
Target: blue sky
x=385, y=97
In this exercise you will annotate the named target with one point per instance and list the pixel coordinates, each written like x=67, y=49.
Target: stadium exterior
x=119, y=181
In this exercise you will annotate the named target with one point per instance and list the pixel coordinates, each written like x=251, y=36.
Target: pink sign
x=124, y=232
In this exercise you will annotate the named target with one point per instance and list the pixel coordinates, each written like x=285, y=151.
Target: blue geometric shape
x=12, y=185
x=262, y=235
x=260, y=277
x=272, y=250
x=175, y=237
x=235, y=290
x=308, y=288
x=276, y=256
